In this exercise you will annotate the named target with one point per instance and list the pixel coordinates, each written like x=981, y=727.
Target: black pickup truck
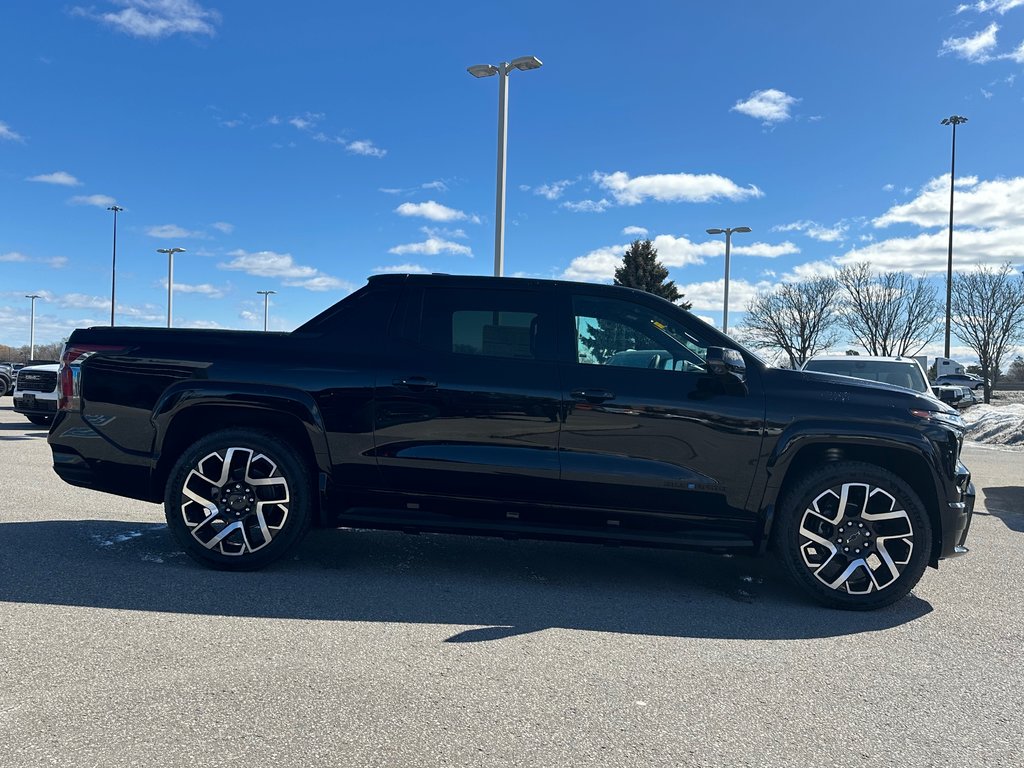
x=518, y=408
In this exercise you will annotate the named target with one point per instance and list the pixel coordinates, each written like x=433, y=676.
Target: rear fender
x=187, y=411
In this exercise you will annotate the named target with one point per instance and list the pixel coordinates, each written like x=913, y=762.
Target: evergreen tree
x=641, y=269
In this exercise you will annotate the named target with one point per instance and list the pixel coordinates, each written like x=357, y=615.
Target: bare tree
x=799, y=318
x=892, y=313
x=987, y=314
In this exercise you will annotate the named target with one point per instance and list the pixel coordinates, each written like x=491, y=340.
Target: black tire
x=261, y=493
x=867, y=555
x=42, y=421
x=5, y=386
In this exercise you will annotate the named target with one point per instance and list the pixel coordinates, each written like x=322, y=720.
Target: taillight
x=69, y=373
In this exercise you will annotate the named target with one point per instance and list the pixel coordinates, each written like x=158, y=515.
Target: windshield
x=900, y=373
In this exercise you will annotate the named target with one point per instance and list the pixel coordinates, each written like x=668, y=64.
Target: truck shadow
x=1006, y=503
x=488, y=589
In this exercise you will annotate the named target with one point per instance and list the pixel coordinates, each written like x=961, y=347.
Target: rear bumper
x=107, y=468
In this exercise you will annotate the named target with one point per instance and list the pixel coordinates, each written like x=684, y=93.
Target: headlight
x=952, y=419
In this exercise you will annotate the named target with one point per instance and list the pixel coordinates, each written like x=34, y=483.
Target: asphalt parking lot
x=382, y=649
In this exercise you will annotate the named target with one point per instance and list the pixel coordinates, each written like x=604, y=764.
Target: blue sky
x=301, y=147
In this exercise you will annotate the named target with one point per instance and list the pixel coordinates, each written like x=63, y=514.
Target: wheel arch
x=904, y=460
x=184, y=417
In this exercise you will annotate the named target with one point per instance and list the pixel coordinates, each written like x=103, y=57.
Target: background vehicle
x=897, y=371
x=500, y=406
x=6, y=379
x=35, y=393
x=969, y=380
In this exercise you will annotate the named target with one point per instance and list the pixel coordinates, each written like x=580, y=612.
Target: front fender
x=897, y=448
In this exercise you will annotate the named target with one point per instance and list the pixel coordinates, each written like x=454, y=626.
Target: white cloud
x=1017, y=56
x=438, y=185
x=206, y=324
x=283, y=267
x=204, y=289
x=100, y=201
x=976, y=49
x=765, y=250
x=62, y=178
x=223, y=226
x=997, y=203
x=816, y=231
x=307, y=121
x=365, y=148
x=320, y=283
x=435, y=212
x=444, y=232
x=81, y=301
x=432, y=246
x=672, y=187
x=587, y=206
x=57, y=262
x=983, y=6
x=401, y=269
x=268, y=264
x=156, y=18
x=927, y=254
x=637, y=231
x=709, y=296
x=554, y=190
x=769, y=106
x=9, y=134
x=889, y=187
x=599, y=265
x=172, y=231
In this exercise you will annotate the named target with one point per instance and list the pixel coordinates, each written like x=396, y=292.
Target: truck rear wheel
x=853, y=535
x=238, y=499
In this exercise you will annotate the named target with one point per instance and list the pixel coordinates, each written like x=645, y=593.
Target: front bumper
x=956, y=517
x=35, y=406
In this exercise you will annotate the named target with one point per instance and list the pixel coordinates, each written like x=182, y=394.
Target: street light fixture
x=728, y=244
x=523, y=63
x=953, y=120
x=170, y=276
x=32, y=327
x=113, y=266
x=266, y=305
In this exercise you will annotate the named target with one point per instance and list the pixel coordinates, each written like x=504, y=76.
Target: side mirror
x=722, y=361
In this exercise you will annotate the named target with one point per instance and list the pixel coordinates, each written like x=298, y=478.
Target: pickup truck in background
x=502, y=406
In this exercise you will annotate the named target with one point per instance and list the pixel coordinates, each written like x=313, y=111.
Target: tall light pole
x=266, y=305
x=953, y=120
x=32, y=327
x=113, y=266
x=728, y=243
x=170, y=276
x=503, y=69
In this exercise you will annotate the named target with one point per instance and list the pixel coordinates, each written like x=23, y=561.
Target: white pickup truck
x=35, y=393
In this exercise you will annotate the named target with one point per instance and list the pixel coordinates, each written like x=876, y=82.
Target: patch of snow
x=117, y=539
x=995, y=424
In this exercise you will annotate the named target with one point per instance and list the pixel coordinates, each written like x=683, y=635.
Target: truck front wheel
x=853, y=535
x=238, y=499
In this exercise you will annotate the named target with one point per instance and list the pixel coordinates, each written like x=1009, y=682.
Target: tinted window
x=620, y=333
x=489, y=323
x=364, y=315
x=900, y=374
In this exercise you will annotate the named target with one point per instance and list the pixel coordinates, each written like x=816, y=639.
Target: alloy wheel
x=856, y=537
x=235, y=501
